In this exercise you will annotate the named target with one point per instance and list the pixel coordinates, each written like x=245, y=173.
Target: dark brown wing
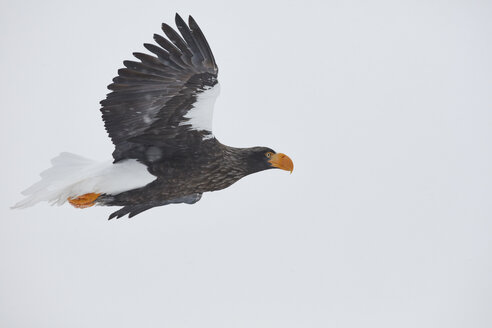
x=154, y=102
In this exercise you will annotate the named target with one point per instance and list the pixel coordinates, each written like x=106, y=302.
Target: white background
x=385, y=108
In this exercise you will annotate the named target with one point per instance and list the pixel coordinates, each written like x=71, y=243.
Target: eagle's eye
x=269, y=154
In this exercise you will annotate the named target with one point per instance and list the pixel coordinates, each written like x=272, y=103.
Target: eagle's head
x=263, y=158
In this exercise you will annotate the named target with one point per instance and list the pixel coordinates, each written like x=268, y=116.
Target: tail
x=65, y=179
x=80, y=181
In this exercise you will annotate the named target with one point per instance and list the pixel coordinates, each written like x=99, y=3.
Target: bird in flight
x=159, y=118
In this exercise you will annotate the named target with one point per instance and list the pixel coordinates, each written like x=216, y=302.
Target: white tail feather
x=73, y=175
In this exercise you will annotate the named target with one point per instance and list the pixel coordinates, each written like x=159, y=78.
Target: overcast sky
x=384, y=107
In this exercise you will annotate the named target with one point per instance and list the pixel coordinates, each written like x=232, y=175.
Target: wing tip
x=191, y=21
x=178, y=18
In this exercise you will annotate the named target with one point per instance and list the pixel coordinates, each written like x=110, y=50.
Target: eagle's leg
x=84, y=201
x=133, y=210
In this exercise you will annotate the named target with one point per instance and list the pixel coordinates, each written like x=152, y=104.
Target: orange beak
x=282, y=161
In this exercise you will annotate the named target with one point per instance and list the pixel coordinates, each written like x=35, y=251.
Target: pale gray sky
x=385, y=108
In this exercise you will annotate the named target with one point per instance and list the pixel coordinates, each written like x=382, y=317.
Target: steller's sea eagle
x=159, y=117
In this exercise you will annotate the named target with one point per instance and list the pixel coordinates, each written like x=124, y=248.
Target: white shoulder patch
x=201, y=115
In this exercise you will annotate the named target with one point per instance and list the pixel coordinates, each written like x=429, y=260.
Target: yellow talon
x=83, y=201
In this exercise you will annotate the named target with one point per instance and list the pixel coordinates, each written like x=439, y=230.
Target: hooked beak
x=282, y=162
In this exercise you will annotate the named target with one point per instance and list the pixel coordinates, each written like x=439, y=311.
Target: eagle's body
x=184, y=179
x=159, y=117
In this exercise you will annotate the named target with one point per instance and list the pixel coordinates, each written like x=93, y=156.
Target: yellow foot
x=83, y=201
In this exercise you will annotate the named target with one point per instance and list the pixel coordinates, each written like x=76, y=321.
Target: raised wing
x=162, y=105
